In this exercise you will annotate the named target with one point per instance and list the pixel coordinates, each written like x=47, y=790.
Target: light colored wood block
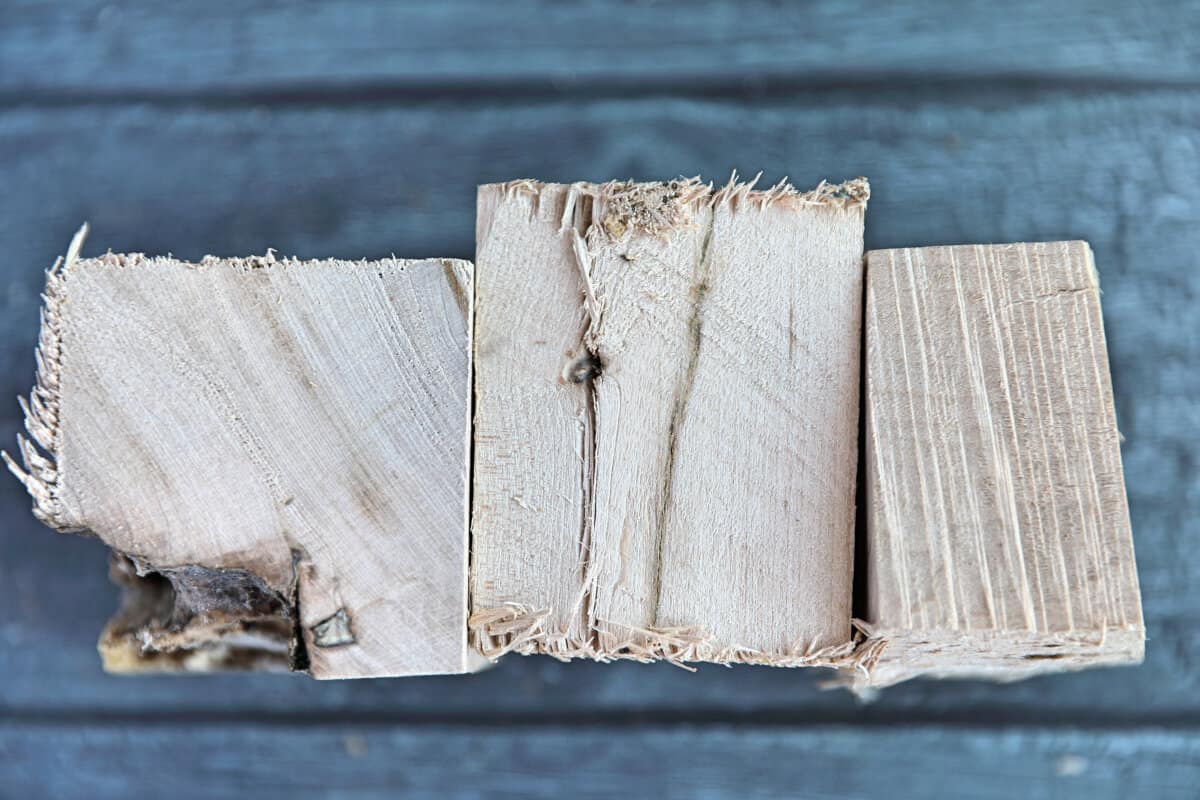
x=666, y=420
x=531, y=427
x=998, y=531
x=278, y=450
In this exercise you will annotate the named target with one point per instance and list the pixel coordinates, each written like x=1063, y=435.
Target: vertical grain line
x=683, y=396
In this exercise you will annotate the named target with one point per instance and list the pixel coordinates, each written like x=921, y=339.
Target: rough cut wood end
x=998, y=532
x=276, y=451
x=666, y=407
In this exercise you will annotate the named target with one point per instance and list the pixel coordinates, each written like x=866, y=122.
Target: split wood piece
x=998, y=533
x=276, y=450
x=667, y=384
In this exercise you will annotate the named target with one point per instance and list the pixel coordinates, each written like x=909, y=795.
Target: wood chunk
x=999, y=542
x=666, y=415
x=531, y=396
x=276, y=450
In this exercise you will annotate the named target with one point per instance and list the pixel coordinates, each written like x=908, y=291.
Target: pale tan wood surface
x=530, y=424
x=285, y=442
x=998, y=532
x=673, y=373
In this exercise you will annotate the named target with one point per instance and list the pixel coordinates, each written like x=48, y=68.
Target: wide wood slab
x=275, y=449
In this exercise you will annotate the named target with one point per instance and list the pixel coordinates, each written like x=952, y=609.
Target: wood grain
x=277, y=450
x=665, y=414
x=250, y=51
x=529, y=424
x=998, y=532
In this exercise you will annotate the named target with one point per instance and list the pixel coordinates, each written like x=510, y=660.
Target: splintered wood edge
x=657, y=207
x=615, y=210
x=888, y=657
x=513, y=628
x=38, y=470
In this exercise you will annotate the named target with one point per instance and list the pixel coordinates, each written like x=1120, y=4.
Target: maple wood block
x=667, y=383
x=277, y=451
x=998, y=533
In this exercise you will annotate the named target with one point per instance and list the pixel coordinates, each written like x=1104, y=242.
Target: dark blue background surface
x=359, y=129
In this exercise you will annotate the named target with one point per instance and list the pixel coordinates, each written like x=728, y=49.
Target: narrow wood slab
x=666, y=416
x=276, y=450
x=998, y=532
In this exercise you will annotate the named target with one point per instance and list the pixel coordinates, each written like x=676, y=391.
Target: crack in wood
x=683, y=395
x=588, y=481
x=584, y=372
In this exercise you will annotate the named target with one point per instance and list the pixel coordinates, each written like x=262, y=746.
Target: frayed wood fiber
x=38, y=470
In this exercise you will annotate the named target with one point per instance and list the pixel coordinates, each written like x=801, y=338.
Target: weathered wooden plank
x=666, y=410
x=85, y=47
x=276, y=451
x=837, y=763
x=997, y=529
x=1131, y=163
